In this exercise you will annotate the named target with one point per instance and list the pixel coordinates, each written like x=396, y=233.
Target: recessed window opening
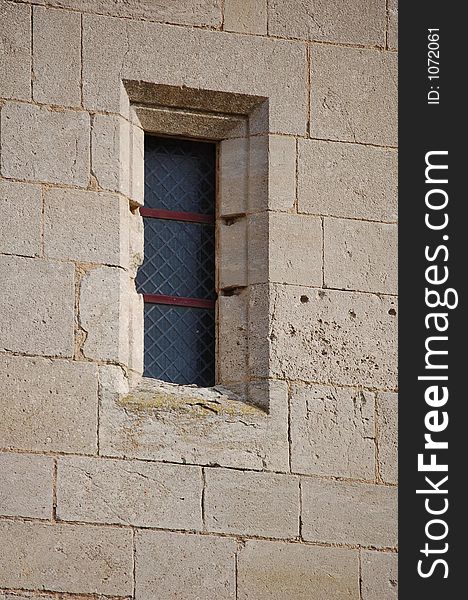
x=177, y=278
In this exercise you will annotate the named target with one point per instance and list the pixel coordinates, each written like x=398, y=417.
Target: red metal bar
x=178, y=301
x=172, y=215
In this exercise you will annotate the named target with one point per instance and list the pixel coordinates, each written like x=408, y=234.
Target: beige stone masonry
x=115, y=50
x=332, y=432
x=15, y=57
x=362, y=514
x=392, y=37
x=37, y=306
x=176, y=564
x=201, y=13
x=40, y=144
x=129, y=493
x=232, y=337
x=48, y=405
x=246, y=16
x=360, y=22
x=157, y=421
x=347, y=180
x=328, y=336
x=248, y=503
x=104, y=314
x=73, y=558
x=56, y=57
x=276, y=571
x=379, y=574
x=89, y=227
x=26, y=488
x=387, y=440
x=360, y=256
x=20, y=226
x=353, y=95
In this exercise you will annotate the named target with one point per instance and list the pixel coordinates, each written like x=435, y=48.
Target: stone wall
x=280, y=483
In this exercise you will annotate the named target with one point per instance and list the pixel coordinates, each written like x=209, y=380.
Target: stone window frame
x=238, y=123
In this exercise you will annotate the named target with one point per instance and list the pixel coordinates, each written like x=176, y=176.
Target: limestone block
x=392, y=32
x=332, y=432
x=111, y=152
x=258, y=265
x=97, y=490
x=20, y=226
x=104, y=314
x=45, y=145
x=48, y=405
x=73, y=558
x=295, y=244
x=137, y=155
x=347, y=180
x=277, y=570
x=249, y=503
x=246, y=16
x=136, y=241
x=166, y=422
x=379, y=573
x=86, y=226
x=15, y=55
x=272, y=173
x=56, y=44
x=330, y=336
x=232, y=338
x=344, y=22
x=136, y=330
x=232, y=253
x=387, y=428
x=115, y=50
x=184, y=12
x=183, y=566
x=233, y=176
x=26, y=489
x=354, y=95
x=359, y=255
x=37, y=306
x=339, y=512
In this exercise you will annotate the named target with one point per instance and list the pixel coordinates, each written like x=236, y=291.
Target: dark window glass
x=177, y=278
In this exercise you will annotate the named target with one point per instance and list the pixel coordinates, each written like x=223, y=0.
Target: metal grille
x=177, y=278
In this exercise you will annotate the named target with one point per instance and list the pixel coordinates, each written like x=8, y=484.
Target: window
x=177, y=278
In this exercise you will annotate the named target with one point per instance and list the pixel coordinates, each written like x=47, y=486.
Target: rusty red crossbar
x=171, y=215
x=178, y=301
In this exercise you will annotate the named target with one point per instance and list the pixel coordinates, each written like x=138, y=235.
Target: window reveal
x=177, y=278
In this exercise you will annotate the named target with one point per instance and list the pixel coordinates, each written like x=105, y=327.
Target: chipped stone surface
x=104, y=314
x=71, y=558
x=379, y=573
x=159, y=421
x=97, y=490
x=332, y=432
x=45, y=145
x=52, y=83
x=387, y=419
x=48, y=405
x=181, y=566
x=342, y=21
x=276, y=571
x=360, y=513
x=347, y=180
x=353, y=95
x=331, y=336
x=37, y=306
x=20, y=226
x=361, y=256
x=15, y=54
x=70, y=230
x=26, y=488
x=248, y=503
